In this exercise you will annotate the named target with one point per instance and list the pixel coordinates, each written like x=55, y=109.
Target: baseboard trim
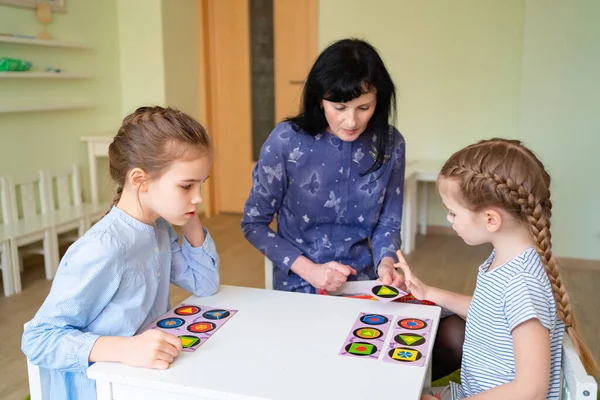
x=564, y=262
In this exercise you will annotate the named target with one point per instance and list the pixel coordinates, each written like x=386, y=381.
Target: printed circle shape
x=384, y=291
x=216, y=314
x=361, y=349
x=170, y=323
x=187, y=310
x=373, y=319
x=412, y=323
x=367, y=333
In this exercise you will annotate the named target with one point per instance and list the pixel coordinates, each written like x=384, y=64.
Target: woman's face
x=349, y=120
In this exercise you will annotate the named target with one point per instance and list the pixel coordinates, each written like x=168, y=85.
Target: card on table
x=193, y=324
x=387, y=293
x=410, y=341
x=367, y=336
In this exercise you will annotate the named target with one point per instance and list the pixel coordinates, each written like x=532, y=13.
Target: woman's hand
x=413, y=284
x=329, y=276
x=388, y=274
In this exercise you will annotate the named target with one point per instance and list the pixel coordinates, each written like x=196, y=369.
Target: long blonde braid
x=504, y=173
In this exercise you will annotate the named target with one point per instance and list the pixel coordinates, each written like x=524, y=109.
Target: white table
x=418, y=174
x=279, y=345
x=97, y=146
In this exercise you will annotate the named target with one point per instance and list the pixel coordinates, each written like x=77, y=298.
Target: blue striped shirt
x=111, y=282
x=327, y=208
x=504, y=298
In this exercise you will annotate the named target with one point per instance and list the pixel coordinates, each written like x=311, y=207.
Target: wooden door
x=225, y=86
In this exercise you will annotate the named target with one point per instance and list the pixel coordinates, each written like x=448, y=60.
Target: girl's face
x=470, y=226
x=349, y=120
x=177, y=193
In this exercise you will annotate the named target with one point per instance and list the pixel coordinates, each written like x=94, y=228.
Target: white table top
x=282, y=345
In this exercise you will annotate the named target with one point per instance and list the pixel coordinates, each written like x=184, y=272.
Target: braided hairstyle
x=504, y=173
x=151, y=138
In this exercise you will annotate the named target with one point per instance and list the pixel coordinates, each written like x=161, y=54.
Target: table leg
x=103, y=390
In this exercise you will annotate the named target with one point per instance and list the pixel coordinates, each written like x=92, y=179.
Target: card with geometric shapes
x=387, y=293
x=409, y=343
x=367, y=336
x=192, y=324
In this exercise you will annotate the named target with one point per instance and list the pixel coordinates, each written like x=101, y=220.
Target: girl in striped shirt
x=497, y=191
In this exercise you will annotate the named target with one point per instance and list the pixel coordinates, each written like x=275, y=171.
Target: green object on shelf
x=14, y=65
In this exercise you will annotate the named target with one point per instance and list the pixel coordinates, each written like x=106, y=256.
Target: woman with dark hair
x=334, y=175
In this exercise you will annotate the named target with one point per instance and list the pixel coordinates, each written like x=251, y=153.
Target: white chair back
x=64, y=188
x=35, y=380
x=28, y=196
x=576, y=383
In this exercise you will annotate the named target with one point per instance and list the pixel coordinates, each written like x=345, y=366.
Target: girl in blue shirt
x=334, y=175
x=115, y=279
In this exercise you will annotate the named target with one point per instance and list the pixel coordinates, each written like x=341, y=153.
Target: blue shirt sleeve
x=269, y=184
x=195, y=269
x=525, y=298
x=386, y=235
x=88, y=277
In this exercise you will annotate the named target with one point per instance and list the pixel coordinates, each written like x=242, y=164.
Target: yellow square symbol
x=404, y=354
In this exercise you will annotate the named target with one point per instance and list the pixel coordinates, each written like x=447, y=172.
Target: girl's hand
x=388, y=274
x=151, y=349
x=330, y=276
x=193, y=231
x=413, y=284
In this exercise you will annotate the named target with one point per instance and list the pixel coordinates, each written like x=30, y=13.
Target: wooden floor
x=443, y=261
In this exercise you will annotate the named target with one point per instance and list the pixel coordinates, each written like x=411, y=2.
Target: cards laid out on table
x=193, y=324
x=367, y=336
x=408, y=344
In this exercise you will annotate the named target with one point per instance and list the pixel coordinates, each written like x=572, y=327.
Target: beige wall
x=141, y=54
x=30, y=141
x=181, y=58
x=470, y=69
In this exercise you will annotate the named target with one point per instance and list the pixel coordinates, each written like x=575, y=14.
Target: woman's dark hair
x=344, y=71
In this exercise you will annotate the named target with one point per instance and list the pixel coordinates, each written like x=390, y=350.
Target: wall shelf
x=41, y=42
x=42, y=75
x=44, y=107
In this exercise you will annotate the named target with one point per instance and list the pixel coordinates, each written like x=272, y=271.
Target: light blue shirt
x=504, y=298
x=113, y=281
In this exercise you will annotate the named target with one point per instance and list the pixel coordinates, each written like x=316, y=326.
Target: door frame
x=208, y=83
